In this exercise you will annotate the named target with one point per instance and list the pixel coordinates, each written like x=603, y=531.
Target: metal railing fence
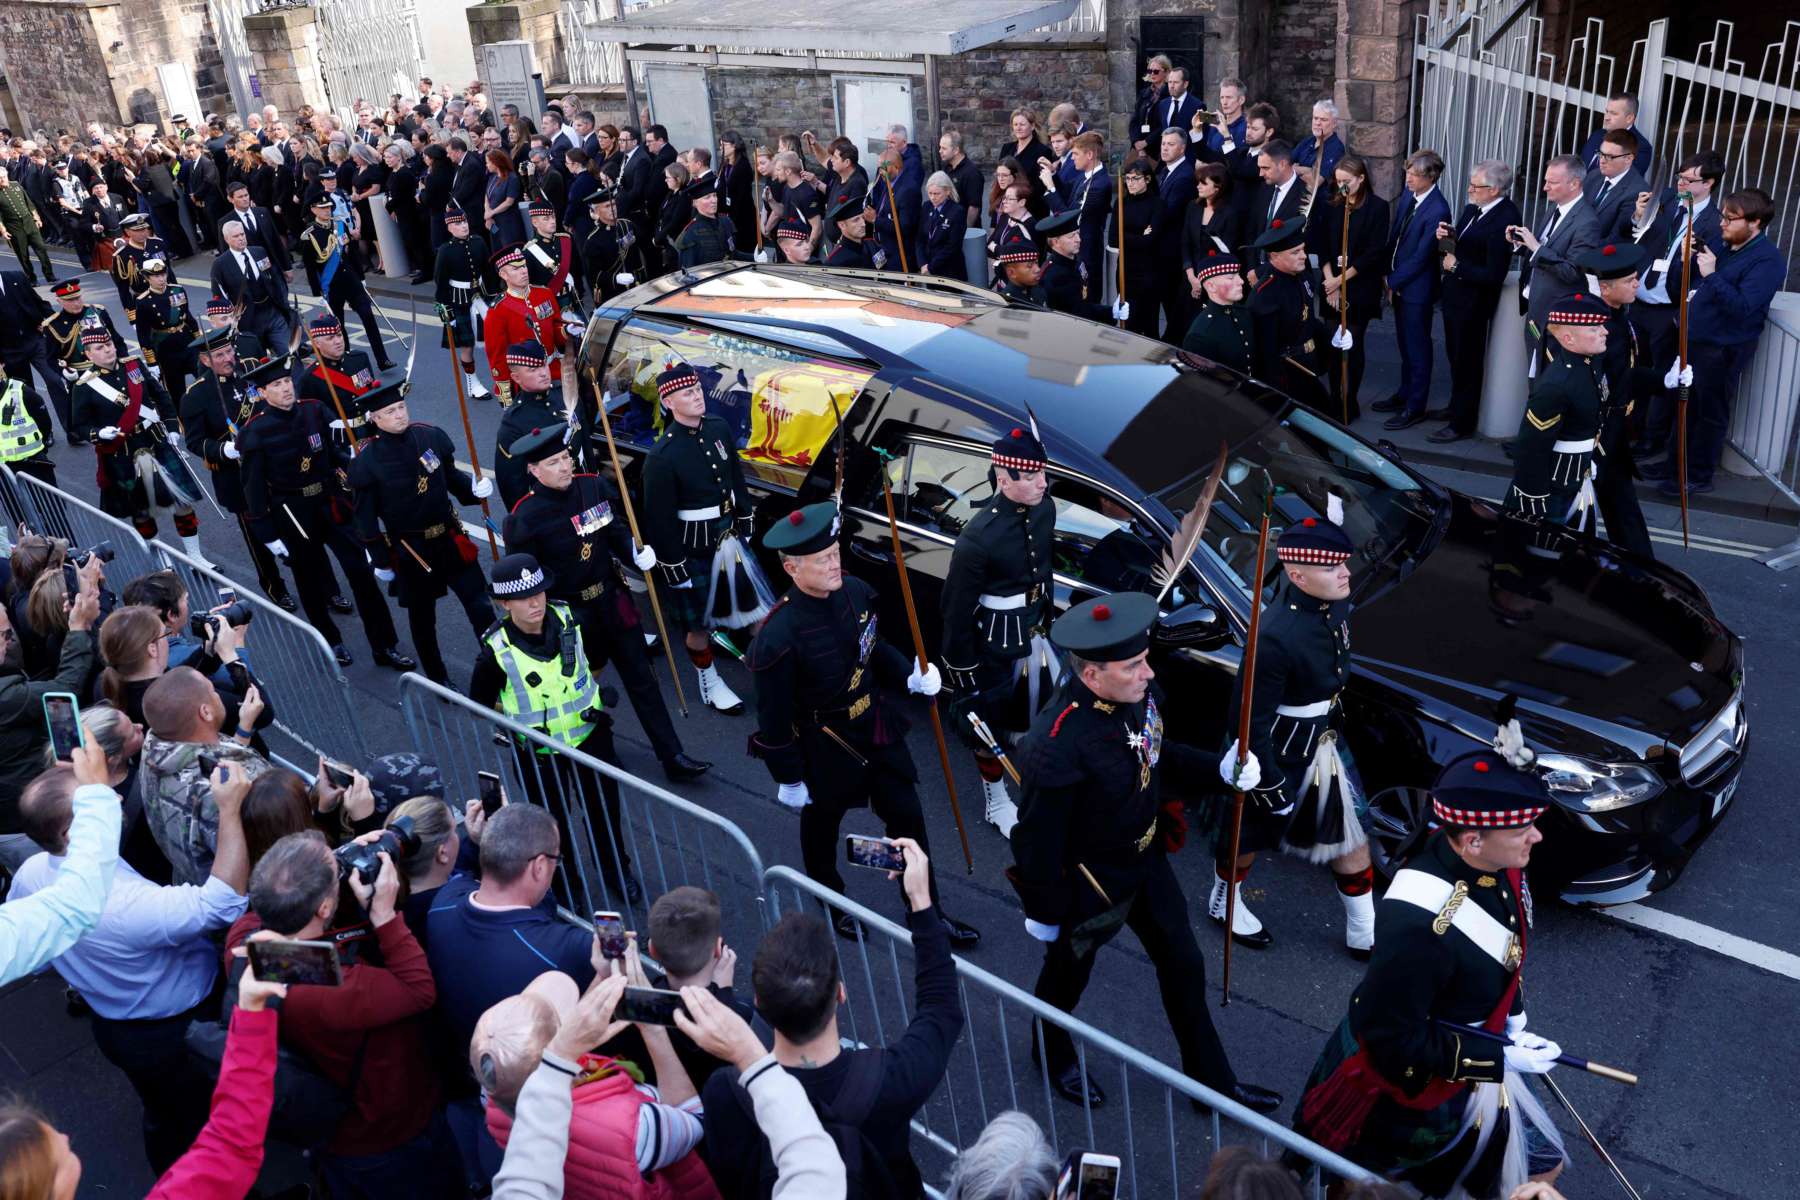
x=666, y=840
x=1164, y=1126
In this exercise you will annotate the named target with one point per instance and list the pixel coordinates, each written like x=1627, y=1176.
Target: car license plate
x=1724, y=796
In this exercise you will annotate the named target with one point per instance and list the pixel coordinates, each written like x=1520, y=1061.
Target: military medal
x=592, y=519
x=430, y=461
x=866, y=642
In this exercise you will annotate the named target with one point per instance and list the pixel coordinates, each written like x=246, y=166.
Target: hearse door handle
x=871, y=554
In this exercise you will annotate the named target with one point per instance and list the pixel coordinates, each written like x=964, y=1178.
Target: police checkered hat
x=324, y=325
x=525, y=354
x=518, y=576
x=675, y=377
x=1314, y=543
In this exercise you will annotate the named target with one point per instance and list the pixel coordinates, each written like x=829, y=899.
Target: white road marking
x=1768, y=958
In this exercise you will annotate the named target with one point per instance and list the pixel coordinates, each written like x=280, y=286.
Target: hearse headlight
x=1596, y=787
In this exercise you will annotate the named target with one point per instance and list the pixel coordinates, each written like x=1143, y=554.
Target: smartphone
x=339, y=776
x=648, y=1006
x=280, y=961
x=877, y=853
x=227, y=596
x=63, y=716
x=1088, y=1176
x=609, y=927
x=490, y=792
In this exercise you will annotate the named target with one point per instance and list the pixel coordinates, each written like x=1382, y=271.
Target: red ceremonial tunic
x=536, y=318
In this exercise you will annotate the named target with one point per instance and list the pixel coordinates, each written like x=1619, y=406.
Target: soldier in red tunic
x=523, y=314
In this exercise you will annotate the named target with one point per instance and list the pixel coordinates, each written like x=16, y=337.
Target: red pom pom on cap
x=1102, y=613
x=1609, y=250
x=1275, y=224
x=1308, y=523
x=795, y=517
x=1018, y=433
x=1481, y=765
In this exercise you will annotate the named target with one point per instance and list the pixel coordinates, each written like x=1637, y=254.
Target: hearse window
x=776, y=399
x=937, y=487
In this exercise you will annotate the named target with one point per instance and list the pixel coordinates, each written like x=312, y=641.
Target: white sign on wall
x=868, y=105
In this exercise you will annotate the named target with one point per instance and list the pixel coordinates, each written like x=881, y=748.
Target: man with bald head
x=185, y=718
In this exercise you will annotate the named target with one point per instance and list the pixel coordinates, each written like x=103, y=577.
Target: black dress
x=1143, y=270
x=1369, y=257
x=1199, y=231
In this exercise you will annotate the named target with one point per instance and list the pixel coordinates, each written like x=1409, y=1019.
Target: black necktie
x=1555, y=216
x=1600, y=196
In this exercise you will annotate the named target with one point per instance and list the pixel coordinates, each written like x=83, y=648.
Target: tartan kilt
x=685, y=607
x=1394, y=1139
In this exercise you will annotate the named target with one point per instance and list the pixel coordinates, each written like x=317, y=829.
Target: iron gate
x=368, y=49
x=227, y=18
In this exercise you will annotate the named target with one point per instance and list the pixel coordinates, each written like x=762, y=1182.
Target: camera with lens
x=398, y=839
x=236, y=615
x=101, y=550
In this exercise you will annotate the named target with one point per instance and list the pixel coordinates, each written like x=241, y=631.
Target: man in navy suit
x=1322, y=150
x=1175, y=110
x=1474, y=273
x=1621, y=113
x=1092, y=197
x=1230, y=126
x=1175, y=183
x=1655, y=310
x=1725, y=319
x=1614, y=186
x=1413, y=285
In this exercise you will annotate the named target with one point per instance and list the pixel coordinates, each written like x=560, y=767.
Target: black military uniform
x=705, y=239
x=166, y=329
x=213, y=410
x=580, y=534
x=858, y=251
x=610, y=250
x=551, y=263
x=1288, y=341
x=1627, y=358
x=526, y=413
x=63, y=331
x=128, y=262
x=1019, y=247
x=1304, y=802
x=122, y=399
x=1221, y=332
x=249, y=346
x=292, y=484
x=332, y=271
x=462, y=273
x=1553, y=457
x=336, y=383
x=406, y=487
x=825, y=727
x=997, y=602
x=1065, y=278
x=1091, y=851
x=1393, y=1086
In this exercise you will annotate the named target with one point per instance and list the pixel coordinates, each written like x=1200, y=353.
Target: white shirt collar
x=1483, y=210
x=1564, y=208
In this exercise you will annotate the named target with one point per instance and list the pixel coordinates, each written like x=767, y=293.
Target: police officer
x=694, y=500
x=1221, y=328
x=213, y=409
x=463, y=275
x=1091, y=850
x=331, y=269
x=612, y=256
x=291, y=482
x=523, y=314
x=1614, y=268
x=1305, y=802
x=1065, y=275
x=854, y=248
x=165, y=326
x=996, y=605
x=550, y=261
x=129, y=255
x=23, y=444
x=536, y=403
x=532, y=668
x=571, y=523
x=406, y=485
x=1288, y=340
x=1553, y=458
x=1396, y=1088
x=824, y=725
x=1021, y=268
x=63, y=331
x=709, y=236
x=120, y=404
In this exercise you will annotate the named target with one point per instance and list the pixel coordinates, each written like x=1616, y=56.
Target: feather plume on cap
x=1509, y=739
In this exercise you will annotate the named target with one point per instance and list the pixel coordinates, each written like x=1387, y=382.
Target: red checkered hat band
x=525, y=360
x=788, y=233
x=1228, y=267
x=508, y=257
x=1508, y=818
x=675, y=383
x=1027, y=254
x=1013, y=462
x=1577, y=317
x=1306, y=556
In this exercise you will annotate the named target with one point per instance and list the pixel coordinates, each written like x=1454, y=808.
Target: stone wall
x=65, y=89
x=1374, y=71
x=763, y=103
x=978, y=90
x=1303, y=59
x=150, y=34
x=531, y=21
x=284, y=52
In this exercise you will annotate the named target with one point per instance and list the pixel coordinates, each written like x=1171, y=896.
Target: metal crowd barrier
x=313, y=714
x=669, y=841
x=1163, y=1144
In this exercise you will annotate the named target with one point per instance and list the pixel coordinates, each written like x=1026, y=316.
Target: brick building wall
x=1302, y=59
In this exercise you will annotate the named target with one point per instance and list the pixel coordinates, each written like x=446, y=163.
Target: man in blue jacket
x=902, y=194
x=1413, y=285
x=1725, y=318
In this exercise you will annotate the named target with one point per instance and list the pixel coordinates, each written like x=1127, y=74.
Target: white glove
x=383, y=574
x=765, y=255
x=1530, y=1054
x=644, y=557
x=1121, y=310
x=483, y=487
x=1680, y=375
x=229, y=450
x=277, y=547
x=149, y=416
x=1515, y=1024
x=793, y=795
x=924, y=680
x=1244, y=779
x=108, y=433
x=574, y=326
x=624, y=279
x=1041, y=931
x=1343, y=339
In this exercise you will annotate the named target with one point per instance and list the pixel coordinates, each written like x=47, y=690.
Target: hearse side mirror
x=1196, y=625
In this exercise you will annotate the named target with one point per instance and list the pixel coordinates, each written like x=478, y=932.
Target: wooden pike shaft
x=1247, y=686
x=462, y=402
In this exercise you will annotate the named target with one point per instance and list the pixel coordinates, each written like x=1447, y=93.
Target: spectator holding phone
x=445, y=851
x=121, y=740
x=684, y=938
x=186, y=720
x=870, y=1093
x=367, y=1034
x=23, y=733
x=150, y=963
